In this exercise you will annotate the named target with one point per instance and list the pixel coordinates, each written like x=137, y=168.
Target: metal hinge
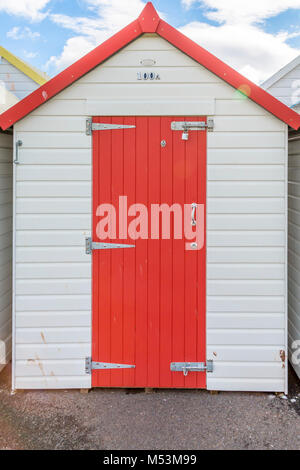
x=90, y=246
x=193, y=125
x=90, y=365
x=187, y=367
x=93, y=126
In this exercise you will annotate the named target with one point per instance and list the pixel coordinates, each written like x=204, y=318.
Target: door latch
x=187, y=367
x=187, y=126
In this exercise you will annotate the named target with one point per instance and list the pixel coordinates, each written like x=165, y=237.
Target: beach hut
x=150, y=222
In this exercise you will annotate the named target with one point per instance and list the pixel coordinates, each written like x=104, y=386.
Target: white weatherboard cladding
x=246, y=286
x=287, y=88
x=6, y=155
x=16, y=81
x=294, y=254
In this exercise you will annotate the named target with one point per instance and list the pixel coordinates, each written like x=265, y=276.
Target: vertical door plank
x=191, y=313
x=166, y=271
x=104, y=257
x=154, y=249
x=201, y=267
x=95, y=257
x=117, y=255
x=129, y=309
x=141, y=256
x=178, y=327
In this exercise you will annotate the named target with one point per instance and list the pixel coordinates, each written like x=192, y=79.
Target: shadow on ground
x=165, y=419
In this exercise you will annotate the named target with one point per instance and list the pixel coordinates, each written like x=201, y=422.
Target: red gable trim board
x=148, y=22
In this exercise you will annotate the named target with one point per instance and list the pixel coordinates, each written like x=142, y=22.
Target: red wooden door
x=148, y=301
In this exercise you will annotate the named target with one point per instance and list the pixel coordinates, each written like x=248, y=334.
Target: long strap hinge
x=90, y=246
x=91, y=365
x=99, y=126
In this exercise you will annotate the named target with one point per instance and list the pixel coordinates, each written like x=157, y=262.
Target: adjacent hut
x=294, y=250
x=17, y=76
x=285, y=84
x=7, y=100
x=107, y=293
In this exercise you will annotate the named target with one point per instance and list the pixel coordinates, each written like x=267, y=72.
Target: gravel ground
x=165, y=419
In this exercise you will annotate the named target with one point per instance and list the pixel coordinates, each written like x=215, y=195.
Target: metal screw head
x=163, y=143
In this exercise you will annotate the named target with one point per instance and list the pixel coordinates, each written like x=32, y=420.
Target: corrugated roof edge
x=148, y=22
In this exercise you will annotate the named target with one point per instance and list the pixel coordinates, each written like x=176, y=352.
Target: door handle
x=194, y=207
x=19, y=144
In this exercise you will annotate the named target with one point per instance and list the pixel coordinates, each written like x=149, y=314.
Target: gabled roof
x=148, y=22
x=38, y=77
x=281, y=73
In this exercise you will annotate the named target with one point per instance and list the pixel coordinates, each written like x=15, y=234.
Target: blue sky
x=257, y=38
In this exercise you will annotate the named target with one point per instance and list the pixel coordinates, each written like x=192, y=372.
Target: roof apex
x=149, y=19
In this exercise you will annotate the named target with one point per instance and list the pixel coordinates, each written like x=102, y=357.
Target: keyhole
x=163, y=143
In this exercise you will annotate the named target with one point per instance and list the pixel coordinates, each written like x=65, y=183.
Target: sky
x=255, y=37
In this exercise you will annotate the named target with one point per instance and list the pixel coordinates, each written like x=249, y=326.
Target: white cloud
x=109, y=16
x=235, y=11
x=74, y=49
x=240, y=39
x=188, y=3
x=115, y=14
x=32, y=9
x=21, y=33
x=248, y=49
x=30, y=55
